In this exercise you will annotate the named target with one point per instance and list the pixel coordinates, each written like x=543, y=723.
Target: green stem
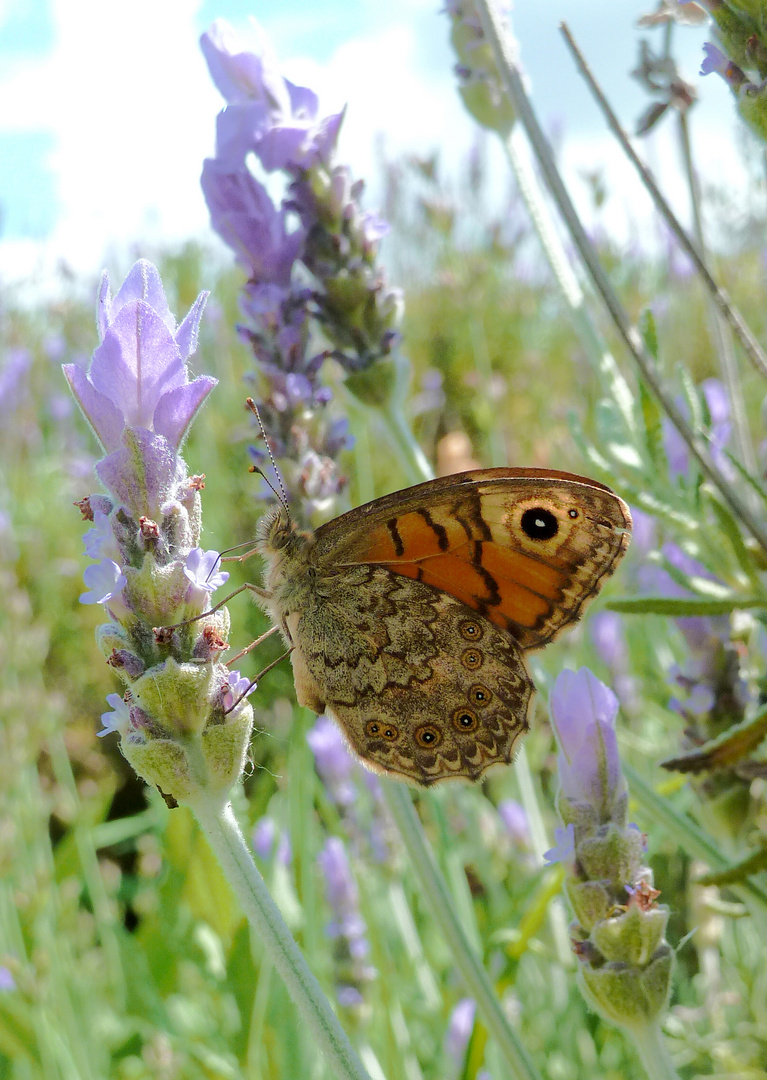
x=652, y=1051
x=413, y=457
x=735, y=320
x=518, y=157
x=224, y=835
x=719, y=329
x=555, y=912
x=511, y=78
x=442, y=910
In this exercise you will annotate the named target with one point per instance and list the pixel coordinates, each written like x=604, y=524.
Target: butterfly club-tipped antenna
x=282, y=494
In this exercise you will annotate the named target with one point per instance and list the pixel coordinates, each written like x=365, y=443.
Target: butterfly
x=408, y=618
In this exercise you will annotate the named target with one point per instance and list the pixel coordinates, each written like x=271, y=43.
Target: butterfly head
x=278, y=535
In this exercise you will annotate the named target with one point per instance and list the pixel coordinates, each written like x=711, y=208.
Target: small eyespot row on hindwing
x=376, y=730
x=538, y=523
x=471, y=630
x=428, y=736
x=480, y=695
x=472, y=659
x=465, y=720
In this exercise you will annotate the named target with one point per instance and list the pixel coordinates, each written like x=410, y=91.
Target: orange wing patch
x=506, y=586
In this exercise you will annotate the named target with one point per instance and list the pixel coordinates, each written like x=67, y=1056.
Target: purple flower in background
x=334, y=763
x=13, y=379
x=264, y=836
x=677, y=454
x=243, y=77
x=348, y=927
x=244, y=216
x=317, y=278
x=266, y=113
x=459, y=1029
x=718, y=431
x=7, y=981
x=609, y=637
x=514, y=817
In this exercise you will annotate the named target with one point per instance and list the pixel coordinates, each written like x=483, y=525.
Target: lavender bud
x=625, y=963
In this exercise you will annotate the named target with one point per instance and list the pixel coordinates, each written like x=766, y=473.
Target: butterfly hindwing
x=421, y=685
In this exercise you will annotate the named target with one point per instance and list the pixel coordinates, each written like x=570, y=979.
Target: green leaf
x=732, y=746
x=729, y=527
x=737, y=872
x=680, y=606
x=649, y=332
x=653, y=427
x=746, y=475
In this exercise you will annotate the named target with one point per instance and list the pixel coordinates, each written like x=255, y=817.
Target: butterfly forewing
x=525, y=548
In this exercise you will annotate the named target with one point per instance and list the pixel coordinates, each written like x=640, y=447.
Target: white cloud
x=128, y=99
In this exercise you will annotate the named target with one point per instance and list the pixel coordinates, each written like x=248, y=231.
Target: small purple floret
x=104, y=580
x=564, y=846
x=118, y=719
x=239, y=687
x=200, y=568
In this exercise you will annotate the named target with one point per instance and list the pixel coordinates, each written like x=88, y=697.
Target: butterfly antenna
x=282, y=494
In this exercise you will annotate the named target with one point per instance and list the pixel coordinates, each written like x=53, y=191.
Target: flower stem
x=411, y=454
x=720, y=332
x=220, y=827
x=489, y=14
x=742, y=331
x=518, y=157
x=653, y=1053
x=442, y=909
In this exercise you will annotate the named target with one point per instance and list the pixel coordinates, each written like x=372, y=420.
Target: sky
x=107, y=110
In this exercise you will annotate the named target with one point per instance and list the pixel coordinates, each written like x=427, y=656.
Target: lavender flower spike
x=619, y=930
x=178, y=724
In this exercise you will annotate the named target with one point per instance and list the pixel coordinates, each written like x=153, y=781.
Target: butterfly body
x=408, y=617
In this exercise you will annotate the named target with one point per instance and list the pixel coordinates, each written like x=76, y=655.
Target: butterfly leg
x=254, y=645
x=262, y=594
x=255, y=682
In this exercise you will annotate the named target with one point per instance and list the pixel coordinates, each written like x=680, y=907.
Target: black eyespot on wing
x=538, y=523
x=465, y=720
x=471, y=630
x=471, y=659
x=428, y=736
x=480, y=695
x=376, y=730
